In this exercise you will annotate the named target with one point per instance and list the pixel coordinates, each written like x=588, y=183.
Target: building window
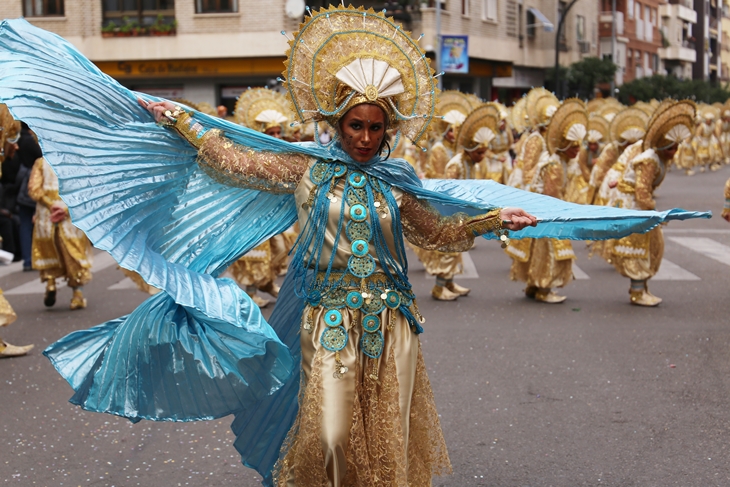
x=637, y=11
x=530, y=23
x=215, y=6
x=580, y=30
x=489, y=10
x=141, y=12
x=630, y=8
x=465, y=7
x=43, y=8
x=655, y=63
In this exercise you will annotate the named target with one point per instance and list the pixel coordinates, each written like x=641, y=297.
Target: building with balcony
x=211, y=50
x=725, y=45
x=638, y=38
x=708, y=39
x=678, y=53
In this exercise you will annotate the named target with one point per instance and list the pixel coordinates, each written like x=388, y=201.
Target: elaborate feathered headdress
x=670, y=126
x=342, y=57
x=479, y=128
x=568, y=126
x=261, y=109
x=629, y=125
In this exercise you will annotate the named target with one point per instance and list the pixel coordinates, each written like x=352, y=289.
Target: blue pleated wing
x=199, y=349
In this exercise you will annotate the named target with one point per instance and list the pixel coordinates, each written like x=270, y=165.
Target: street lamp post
x=557, y=45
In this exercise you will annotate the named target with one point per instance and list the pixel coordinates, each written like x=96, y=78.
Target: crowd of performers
x=619, y=159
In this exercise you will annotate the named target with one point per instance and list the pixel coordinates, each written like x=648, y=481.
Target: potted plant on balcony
x=162, y=28
x=110, y=29
x=126, y=28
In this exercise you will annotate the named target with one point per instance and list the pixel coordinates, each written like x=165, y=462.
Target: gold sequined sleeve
x=553, y=177
x=436, y=162
x=35, y=184
x=425, y=227
x=453, y=168
x=726, y=210
x=531, y=150
x=237, y=165
x=646, y=170
x=585, y=169
x=609, y=155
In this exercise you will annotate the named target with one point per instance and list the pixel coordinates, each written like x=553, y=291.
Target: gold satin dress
x=7, y=316
x=544, y=263
x=638, y=256
x=365, y=422
x=59, y=250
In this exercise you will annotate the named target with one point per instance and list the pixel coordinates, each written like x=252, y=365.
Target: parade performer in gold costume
x=578, y=189
x=540, y=105
x=263, y=110
x=723, y=134
x=9, y=136
x=497, y=164
x=60, y=250
x=639, y=256
x=707, y=148
x=453, y=106
x=627, y=130
x=545, y=264
x=366, y=414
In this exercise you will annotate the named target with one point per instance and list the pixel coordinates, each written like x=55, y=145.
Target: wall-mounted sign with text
x=455, y=54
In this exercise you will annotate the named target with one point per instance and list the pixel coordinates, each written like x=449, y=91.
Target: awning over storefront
x=541, y=20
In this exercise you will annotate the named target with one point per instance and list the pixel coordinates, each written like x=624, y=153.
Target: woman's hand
x=518, y=218
x=156, y=108
x=59, y=212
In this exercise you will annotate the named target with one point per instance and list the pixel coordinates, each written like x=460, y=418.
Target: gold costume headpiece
x=595, y=105
x=568, y=126
x=644, y=107
x=261, y=109
x=540, y=105
x=479, y=128
x=610, y=109
x=671, y=126
x=708, y=112
x=453, y=106
x=9, y=129
x=343, y=57
x=629, y=125
x=519, y=116
x=598, y=129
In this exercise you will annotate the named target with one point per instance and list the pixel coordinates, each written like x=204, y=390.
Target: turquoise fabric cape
x=200, y=349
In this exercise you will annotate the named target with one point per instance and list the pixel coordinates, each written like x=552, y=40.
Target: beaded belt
x=367, y=298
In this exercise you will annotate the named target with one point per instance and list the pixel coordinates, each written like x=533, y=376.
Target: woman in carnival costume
x=333, y=390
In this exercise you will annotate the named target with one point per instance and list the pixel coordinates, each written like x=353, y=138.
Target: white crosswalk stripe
x=706, y=246
x=669, y=271
x=579, y=274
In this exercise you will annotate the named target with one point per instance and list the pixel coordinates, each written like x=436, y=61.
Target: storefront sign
x=455, y=54
x=193, y=68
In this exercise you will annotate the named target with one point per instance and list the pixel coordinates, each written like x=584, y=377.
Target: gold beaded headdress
x=595, y=105
x=568, y=126
x=610, y=109
x=628, y=125
x=598, y=129
x=671, y=126
x=540, y=105
x=342, y=57
x=452, y=107
x=261, y=109
x=518, y=116
x=9, y=129
x=479, y=128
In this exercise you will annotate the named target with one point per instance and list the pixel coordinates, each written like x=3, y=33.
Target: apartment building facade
x=212, y=50
x=638, y=38
x=708, y=39
x=678, y=52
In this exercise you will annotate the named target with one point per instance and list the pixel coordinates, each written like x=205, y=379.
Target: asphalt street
x=590, y=392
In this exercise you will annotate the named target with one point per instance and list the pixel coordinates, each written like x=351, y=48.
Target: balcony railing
x=608, y=17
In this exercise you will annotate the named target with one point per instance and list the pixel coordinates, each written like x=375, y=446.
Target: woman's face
x=274, y=131
x=362, y=130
